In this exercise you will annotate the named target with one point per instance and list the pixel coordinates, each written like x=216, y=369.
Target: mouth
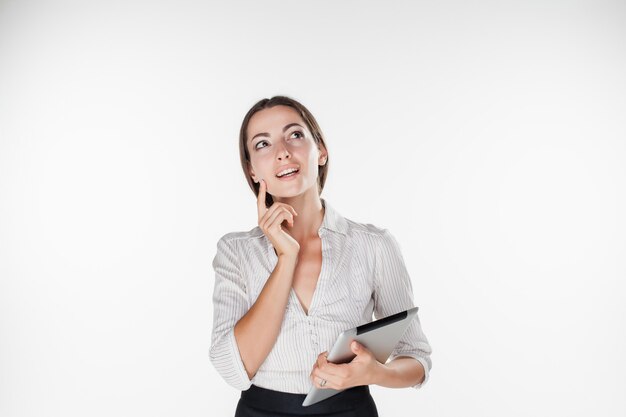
x=288, y=174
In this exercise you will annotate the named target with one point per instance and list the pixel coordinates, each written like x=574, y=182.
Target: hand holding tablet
x=379, y=338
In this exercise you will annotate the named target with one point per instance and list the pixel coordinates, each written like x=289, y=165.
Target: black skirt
x=262, y=402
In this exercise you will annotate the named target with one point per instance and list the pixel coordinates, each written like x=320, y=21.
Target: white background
x=489, y=137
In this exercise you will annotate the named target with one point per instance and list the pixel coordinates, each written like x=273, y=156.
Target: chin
x=286, y=195
x=293, y=192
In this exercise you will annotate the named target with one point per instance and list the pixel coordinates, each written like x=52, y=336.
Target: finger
x=268, y=214
x=321, y=359
x=262, y=208
x=286, y=206
x=317, y=382
x=359, y=350
x=329, y=368
x=318, y=376
x=278, y=217
x=272, y=208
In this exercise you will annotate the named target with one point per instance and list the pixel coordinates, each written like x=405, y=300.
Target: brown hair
x=308, y=119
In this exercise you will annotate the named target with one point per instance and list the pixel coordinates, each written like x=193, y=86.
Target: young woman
x=287, y=288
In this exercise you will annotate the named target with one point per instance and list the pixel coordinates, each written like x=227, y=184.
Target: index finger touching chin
x=261, y=198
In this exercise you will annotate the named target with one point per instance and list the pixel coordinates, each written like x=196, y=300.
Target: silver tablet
x=380, y=337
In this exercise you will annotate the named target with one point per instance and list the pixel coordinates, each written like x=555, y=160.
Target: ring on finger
x=322, y=382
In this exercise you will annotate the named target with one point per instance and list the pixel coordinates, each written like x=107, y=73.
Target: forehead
x=273, y=119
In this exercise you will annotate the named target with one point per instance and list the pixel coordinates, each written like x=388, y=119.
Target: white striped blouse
x=362, y=273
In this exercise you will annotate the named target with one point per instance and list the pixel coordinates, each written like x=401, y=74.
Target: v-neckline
x=293, y=297
x=318, y=284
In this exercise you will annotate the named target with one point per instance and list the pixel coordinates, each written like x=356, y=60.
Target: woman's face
x=278, y=139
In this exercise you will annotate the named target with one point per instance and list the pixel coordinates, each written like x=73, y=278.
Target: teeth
x=287, y=171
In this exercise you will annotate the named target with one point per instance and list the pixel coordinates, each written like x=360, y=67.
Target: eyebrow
x=284, y=129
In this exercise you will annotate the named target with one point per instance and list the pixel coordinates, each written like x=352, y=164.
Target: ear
x=251, y=172
x=323, y=156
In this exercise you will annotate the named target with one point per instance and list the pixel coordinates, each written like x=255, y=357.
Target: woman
x=287, y=288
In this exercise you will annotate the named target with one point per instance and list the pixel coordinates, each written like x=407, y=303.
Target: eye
x=258, y=143
x=299, y=134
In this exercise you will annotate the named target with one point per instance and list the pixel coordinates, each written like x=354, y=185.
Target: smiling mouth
x=291, y=174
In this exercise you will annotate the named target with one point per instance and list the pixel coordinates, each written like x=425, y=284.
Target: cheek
x=313, y=160
x=260, y=160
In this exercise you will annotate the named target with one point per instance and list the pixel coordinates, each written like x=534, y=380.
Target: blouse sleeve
x=230, y=303
x=394, y=293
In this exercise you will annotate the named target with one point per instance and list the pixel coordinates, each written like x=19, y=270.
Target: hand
x=362, y=370
x=270, y=220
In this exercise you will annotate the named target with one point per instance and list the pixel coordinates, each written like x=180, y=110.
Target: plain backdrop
x=488, y=136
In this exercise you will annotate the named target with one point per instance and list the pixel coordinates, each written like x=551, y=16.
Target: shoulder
x=375, y=234
x=381, y=239
x=238, y=237
x=242, y=235
x=357, y=228
x=376, y=238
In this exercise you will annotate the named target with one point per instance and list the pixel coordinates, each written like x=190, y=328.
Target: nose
x=282, y=152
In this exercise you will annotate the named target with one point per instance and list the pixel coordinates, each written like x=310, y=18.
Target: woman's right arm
x=238, y=353
x=258, y=329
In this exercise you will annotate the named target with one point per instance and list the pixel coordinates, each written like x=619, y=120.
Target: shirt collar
x=332, y=221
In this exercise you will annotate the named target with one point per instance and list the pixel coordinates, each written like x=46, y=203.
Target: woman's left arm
x=410, y=361
x=364, y=369
x=393, y=293
x=400, y=373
